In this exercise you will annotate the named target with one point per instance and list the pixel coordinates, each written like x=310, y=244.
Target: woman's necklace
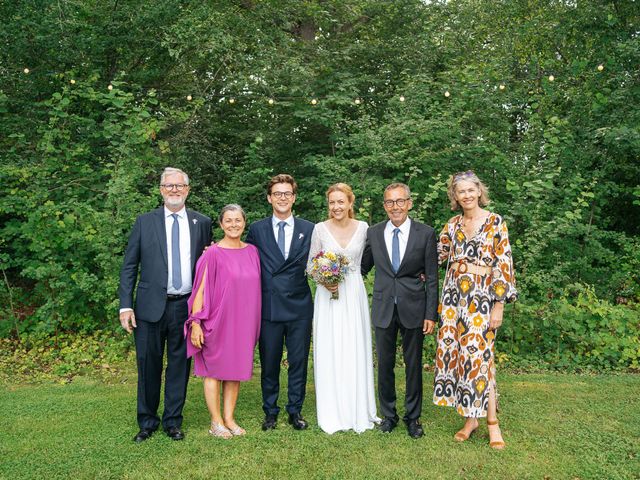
x=471, y=224
x=468, y=221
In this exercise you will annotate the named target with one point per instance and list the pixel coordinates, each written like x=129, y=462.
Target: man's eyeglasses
x=286, y=195
x=170, y=186
x=399, y=202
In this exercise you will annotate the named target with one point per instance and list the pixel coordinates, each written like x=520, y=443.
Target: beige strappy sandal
x=461, y=436
x=219, y=430
x=238, y=431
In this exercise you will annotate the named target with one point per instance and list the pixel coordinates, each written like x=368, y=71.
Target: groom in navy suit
x=163, y=248
x=287, y=309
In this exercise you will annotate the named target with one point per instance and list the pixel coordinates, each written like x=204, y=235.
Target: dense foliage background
x=79, y=161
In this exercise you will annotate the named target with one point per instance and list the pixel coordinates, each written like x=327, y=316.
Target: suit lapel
x=411, y=242
x=271, y=243
x=193, y=231
x=161, y=233
x=383, y=246
x=296, y=241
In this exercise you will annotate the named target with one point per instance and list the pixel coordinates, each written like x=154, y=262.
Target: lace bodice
x=323, y=240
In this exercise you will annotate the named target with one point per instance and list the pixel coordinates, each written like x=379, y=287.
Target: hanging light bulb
x=600, y=67
x=502, y=86
x=551, y=78
x=401, y=98
x=314, y=101
x=26, y=70
x=447, y=94
x=189, y=98
x=271, y=101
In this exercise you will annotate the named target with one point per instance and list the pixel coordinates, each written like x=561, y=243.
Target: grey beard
x=174, y=203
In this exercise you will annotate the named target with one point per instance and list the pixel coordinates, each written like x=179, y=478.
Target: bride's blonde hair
x=346, y=189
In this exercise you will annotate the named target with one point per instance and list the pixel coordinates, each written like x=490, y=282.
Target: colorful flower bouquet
x=329, y=269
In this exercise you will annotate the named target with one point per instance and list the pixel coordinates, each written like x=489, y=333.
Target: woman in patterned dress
x=479, y=281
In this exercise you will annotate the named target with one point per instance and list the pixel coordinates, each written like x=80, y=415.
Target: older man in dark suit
x=405, y=298
x=287, y=309
x=163, y=247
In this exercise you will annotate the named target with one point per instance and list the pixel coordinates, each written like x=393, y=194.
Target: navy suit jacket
x=286, y=295
x=147, y=253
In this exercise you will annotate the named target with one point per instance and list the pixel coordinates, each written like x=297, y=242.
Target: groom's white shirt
x=288, y=232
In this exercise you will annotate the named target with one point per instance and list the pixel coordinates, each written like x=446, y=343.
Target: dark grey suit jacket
x=416, y=300
x=147, y=253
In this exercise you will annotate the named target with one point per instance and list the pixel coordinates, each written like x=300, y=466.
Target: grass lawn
x=555, y=426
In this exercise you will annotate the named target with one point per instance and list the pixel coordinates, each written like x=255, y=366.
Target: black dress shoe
x=414, y=429
x=388, y=424
x=142, y=435
x=270, y=422
x=297, y=422
x=174, y=433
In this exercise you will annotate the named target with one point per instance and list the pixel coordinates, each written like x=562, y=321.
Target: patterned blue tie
x=281, y=237
x=395, y=250
x=176, y=267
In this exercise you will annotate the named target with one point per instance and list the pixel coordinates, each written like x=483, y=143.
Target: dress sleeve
x=316, y=246
x=256, y=255
x=503, y=281
x=444, y=244
x=205, y=272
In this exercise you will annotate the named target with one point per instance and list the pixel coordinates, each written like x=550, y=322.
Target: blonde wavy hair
x=468, y=176
x=346, y=189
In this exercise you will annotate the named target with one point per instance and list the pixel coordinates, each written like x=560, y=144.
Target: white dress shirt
x=403, y=237
x=185, y=251
x=288, y=232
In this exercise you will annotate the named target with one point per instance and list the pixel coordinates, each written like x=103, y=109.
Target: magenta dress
x=230, y=315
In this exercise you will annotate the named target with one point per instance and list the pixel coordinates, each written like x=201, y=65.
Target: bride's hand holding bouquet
x=328, y=269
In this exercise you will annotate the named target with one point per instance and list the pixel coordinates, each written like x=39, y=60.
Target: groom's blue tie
x=176, y=267
x=281, y=237
x=395, y=250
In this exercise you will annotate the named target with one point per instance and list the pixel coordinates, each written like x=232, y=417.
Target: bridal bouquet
x=328, y=268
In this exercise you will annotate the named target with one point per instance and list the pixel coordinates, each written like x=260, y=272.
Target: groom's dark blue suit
x=287, y=312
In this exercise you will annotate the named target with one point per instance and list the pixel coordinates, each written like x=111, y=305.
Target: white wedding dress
x=342, y=351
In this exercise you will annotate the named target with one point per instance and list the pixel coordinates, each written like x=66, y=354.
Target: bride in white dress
x=342, y=351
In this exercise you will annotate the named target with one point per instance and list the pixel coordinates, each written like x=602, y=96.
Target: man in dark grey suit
x=405, y=298
x=163, y=247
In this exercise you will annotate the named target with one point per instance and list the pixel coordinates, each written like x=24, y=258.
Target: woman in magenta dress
x=224, y=320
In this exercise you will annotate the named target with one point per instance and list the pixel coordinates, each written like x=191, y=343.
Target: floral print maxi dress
x=465, y=369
